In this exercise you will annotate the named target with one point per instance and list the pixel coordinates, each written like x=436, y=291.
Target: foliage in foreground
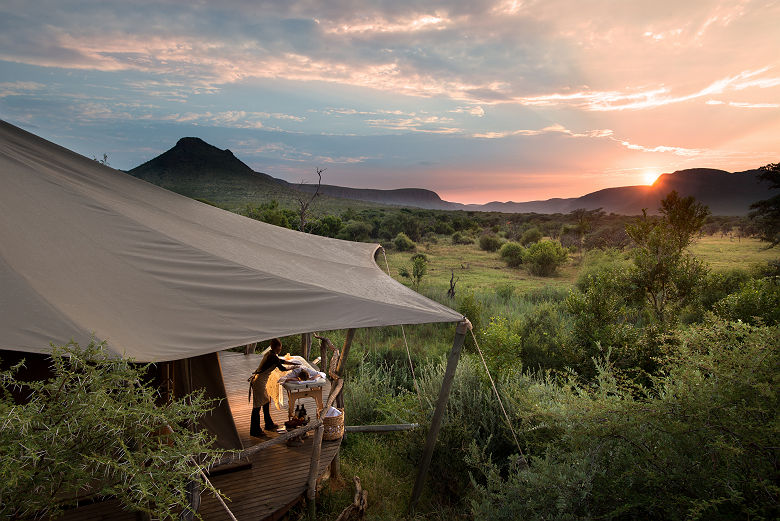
x=701, y=443
x=93, y=428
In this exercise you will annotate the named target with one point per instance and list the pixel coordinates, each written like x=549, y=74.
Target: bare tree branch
x=304, y=203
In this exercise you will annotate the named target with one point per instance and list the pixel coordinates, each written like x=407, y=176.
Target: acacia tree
x=766, y=213
x=665, y=273
x=94, y=427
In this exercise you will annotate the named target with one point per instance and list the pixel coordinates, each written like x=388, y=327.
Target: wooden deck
x=277, y=478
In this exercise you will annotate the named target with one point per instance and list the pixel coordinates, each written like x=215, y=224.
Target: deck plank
x=278, y=475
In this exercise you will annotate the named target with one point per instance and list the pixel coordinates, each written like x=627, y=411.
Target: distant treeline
x=579, y=229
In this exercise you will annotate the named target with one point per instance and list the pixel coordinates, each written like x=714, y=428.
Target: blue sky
x=478, y=100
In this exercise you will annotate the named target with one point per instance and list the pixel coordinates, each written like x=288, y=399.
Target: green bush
x=512, y=254
x=473, y=417
x=543, y=258
x=417, y=271
x=471, y=308
x=531, y=236
x=355, y=231
x=544, y=338
x=402, y=242
x=505, y=291
x=94, y=427
x=501, y=346
x=443, y=228
x=700, y=445
x=489, y=242
x=460, y=238
x=758, y=299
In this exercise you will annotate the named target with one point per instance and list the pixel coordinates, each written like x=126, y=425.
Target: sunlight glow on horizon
x=650, y=175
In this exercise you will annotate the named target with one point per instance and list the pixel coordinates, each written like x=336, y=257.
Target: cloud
x=647, y=99
x=472, y=110
x=415, y=23
x=551, y=129
x=15, y=88
x=679, y=151
x=481, y=52
x=745, y=105
x=595, y=134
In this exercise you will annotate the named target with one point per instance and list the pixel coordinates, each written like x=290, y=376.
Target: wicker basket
x=333, y=426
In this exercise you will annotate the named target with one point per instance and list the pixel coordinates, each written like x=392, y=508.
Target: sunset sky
x=478, y=100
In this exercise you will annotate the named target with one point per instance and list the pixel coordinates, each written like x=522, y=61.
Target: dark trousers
x=254, y=423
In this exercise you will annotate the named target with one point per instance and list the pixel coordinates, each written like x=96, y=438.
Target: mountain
x=200, y=170
x=725, y=193
x=417, y=197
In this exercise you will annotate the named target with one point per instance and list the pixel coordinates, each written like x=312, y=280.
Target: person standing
x=258, y=383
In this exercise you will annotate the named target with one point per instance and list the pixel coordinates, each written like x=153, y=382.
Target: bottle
x=297, y=411
x=302, y=414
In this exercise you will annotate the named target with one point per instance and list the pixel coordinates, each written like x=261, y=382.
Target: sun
x=649, y=175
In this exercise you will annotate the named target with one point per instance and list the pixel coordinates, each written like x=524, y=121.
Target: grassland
x=477, y=270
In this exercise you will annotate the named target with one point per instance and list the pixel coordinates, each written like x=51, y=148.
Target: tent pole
x=438, y=413
x=306, y=345
x=343, y=363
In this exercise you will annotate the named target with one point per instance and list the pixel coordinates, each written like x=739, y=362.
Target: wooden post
x=324, y=356
x=335, y=466
x=438, y=413
x=306, y=345
x=342, y=365
x=314, y=465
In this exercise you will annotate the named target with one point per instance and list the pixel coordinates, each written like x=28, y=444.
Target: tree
x=94, y=426
x=489, y=242
x=665, y=274
x=417, y=271
x=766, y=213
x=402, y=242
x=304, y=202
x=512, y=254
x=531, y=235
x=103, y=161
x=584, y=221
x=544, y=257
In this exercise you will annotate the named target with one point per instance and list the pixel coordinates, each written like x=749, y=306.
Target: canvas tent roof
x=87, y=249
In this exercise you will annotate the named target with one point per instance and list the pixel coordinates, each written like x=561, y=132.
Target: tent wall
x=205, y=372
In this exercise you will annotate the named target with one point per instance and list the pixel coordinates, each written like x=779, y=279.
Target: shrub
x=512, y=254
x=757, y=300
x=402, y=242
x=702, y=445
x=500, y=346
x=473, y=417
x=459, y=238
x=94, y=426
x=418, y=270
x=443, y=228
x=543, y=336
x=718, y=285
x=355, y=231
x=505, y=291
x=543, y=258
x=472, y=309
x=530, y=236
x=489, y=242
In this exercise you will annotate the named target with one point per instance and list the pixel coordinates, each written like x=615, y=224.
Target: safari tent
x=87, y=251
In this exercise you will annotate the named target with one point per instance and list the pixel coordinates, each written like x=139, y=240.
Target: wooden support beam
x=306, y=346
x=239, y=455
x=342, y=365
x=438, y=413
x=382, y=428
x=335, y=466
x=314, y=465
